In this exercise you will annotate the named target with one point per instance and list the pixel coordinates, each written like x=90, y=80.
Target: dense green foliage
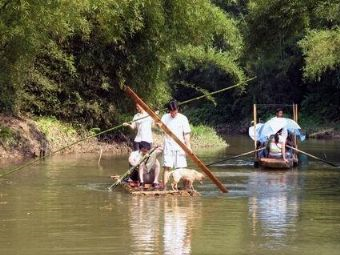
x=292, y=48
x=70, y=58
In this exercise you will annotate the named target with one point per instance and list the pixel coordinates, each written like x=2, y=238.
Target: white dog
x=185, y=174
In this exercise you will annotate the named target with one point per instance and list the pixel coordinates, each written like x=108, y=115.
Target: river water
x=62, y=206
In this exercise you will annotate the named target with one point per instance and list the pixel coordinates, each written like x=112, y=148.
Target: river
x=61, y=205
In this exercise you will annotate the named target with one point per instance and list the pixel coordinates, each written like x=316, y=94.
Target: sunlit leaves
x=322, y=51
x=326, y=13
x=321, y=44
x=190, y=56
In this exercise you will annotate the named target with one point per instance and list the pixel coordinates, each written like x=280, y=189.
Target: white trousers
x=174, y=159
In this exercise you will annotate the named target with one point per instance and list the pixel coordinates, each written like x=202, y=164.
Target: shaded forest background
x=70, y=58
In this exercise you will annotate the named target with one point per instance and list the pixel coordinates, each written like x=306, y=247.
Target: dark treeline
x=70, y=59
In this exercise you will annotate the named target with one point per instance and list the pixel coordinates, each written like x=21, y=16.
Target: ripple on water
x=94, y=186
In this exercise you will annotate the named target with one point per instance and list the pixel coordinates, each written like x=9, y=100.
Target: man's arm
x=186, y=131
x=132, y=125
x=187, y=140
x=283, y=151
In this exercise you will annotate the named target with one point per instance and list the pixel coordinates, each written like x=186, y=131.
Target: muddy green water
x=62, y=206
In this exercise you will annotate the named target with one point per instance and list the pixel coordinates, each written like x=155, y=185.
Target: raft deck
x=149, y=191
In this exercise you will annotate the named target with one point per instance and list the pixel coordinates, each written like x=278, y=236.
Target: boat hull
x=276, y=163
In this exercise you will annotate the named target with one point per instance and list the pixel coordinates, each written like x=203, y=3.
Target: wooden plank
x=194, y=158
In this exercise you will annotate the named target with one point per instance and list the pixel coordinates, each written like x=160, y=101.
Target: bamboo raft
x=148, y=190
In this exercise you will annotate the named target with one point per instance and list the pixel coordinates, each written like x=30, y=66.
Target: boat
x=262, y=132
x=133, y=188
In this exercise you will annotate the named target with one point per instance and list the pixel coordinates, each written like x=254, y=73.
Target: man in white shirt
x=279, y=119
x=148, y=171
x=174, y=156
x=143, y=123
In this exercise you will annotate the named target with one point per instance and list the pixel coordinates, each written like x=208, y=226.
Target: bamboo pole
x=215, y=92
x=255, y=138
x=312, y=156
x=237, y=156
x=156, y=118
x=296, y=120
x=296, y=113
x=129, y=171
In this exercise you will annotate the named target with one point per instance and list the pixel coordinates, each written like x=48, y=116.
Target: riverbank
x=23, y=137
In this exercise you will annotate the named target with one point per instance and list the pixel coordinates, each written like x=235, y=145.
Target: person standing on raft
x=173, y=155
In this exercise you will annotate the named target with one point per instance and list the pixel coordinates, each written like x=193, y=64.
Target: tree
x=320, y=47
x=71, y=58
x=29, y=29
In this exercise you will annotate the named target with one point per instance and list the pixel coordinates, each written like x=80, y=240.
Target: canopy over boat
x=272, y=126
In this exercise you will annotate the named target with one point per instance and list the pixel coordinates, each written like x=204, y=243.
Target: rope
x=237, y=156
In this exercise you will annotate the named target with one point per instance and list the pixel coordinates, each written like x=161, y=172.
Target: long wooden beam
x=157, y=119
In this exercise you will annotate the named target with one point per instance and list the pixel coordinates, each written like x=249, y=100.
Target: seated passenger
x=290, y=142
x=148, y=171
x=261, y=153
x=276, y=146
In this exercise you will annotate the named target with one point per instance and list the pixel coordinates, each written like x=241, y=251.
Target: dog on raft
x=187, y=175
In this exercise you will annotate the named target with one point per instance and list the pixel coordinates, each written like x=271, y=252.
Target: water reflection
x=162, y=225
x=274, y=206
x=178, y=227
x=144, y=217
